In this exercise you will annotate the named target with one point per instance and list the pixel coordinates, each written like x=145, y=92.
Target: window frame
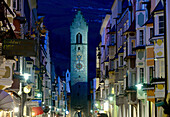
x=151, y=73
x=141, y=75
x=141, y=40
x=161, y=22
x=79, y=38
x=121, y=61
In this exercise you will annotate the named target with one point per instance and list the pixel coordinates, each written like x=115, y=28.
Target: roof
x=159, y=7
x=28, y=59
x=149, y=21
x=113, y=30
x=102, y=81
x=107, y=59
x=139, y=47
x=116, y=56
x=132, y=27
x=121, y=50
x=98, y=89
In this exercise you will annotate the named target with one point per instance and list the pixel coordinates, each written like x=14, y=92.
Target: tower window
x=78, y=48
x=79, y=38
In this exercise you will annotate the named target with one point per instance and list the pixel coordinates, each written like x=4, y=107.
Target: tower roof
x=78, y=20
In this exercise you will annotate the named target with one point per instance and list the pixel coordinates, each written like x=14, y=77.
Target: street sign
x=19, y=47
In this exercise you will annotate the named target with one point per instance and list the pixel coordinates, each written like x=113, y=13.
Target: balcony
x=132, y=98
x=159, y=87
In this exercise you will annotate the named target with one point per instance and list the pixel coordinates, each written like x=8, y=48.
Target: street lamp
x=33, y=114
x=96, y=105
x=110, y=98
x=16, y=109
x=26, y=76
x=139, y=86
x=38, y=95
x=67, y=112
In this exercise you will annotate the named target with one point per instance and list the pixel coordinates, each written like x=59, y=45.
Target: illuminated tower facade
x=79, y=66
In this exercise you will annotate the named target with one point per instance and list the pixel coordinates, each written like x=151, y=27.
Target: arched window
x=79, y=38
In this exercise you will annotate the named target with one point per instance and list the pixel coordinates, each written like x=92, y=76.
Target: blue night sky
x=59, y=15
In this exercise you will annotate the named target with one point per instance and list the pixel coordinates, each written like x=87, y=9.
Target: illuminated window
x=79, y=38
x=150, y=73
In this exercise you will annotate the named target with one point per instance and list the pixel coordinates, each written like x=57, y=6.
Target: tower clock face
x=79, y=66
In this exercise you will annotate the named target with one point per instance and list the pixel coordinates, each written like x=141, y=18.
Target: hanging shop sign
x=19, y=47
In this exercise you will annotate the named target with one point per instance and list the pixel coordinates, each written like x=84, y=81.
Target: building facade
x=134, y=52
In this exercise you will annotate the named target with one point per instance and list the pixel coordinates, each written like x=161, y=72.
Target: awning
x=37, y=110
x=6, y=101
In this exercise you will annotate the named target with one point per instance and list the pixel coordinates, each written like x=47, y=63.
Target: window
x=18, y=5
x=141, y=75
x=111, y=64
x=121, y=60
x=150, y=73
x=112, y=91
x=161, y=24
x=107, y=92
x=151, y=32
x=162, y=69
x=140, y=5
x=133, y=80
x=9, y=2
x=113, y=40
x=121, y=88
x=107, y=72
x=131, y=49
x=53, y=95
x=14, y=4
x=121, y=39
x=141, y=37
x=78, y=48
x=79, y=38
x=125, y=27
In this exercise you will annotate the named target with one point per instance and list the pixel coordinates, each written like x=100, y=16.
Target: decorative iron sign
x=19, y=47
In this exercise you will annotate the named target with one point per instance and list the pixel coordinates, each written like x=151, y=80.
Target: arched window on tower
x=79, y=38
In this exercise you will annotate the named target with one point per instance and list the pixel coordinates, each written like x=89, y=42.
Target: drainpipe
x=165, y=49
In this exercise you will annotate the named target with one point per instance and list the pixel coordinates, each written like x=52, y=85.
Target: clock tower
x=79, y=66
